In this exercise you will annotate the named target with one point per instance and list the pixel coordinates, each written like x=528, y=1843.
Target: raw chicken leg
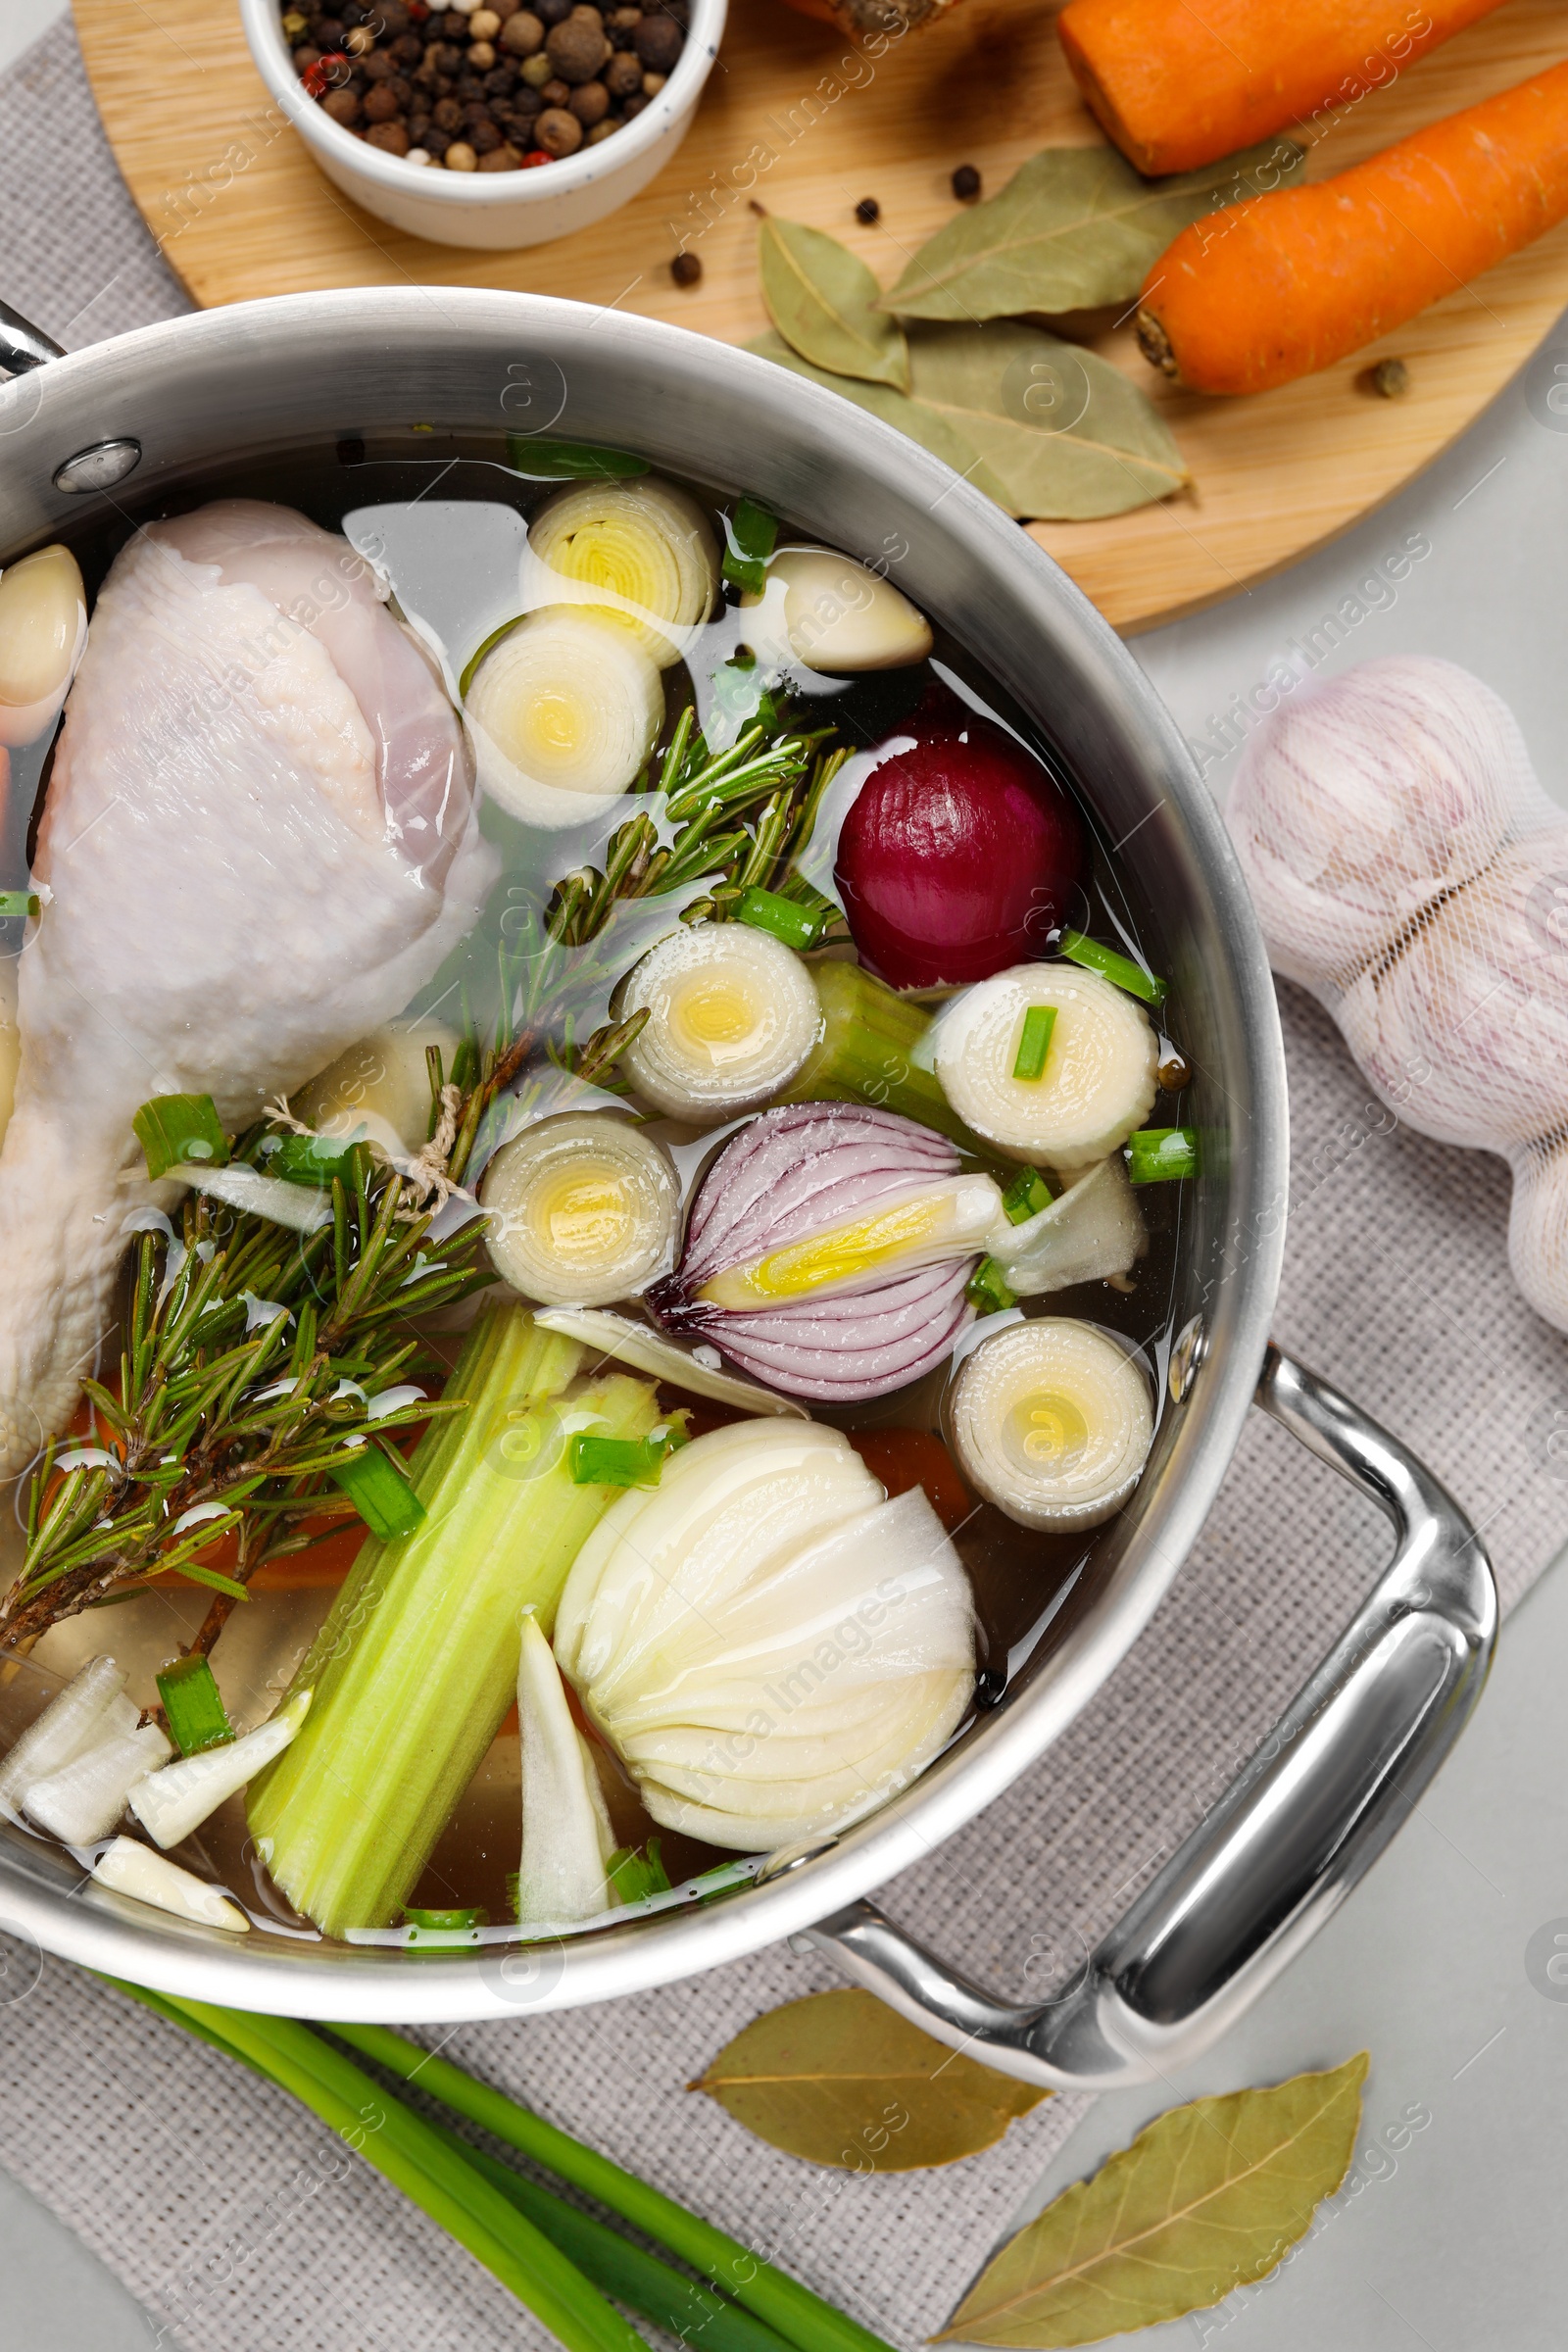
x=259, y=840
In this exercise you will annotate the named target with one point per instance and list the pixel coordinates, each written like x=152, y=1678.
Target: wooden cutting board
x=241, y=211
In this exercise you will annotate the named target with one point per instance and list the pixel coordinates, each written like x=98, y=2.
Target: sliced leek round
x=1095, y=1081
x=1051, y=1420
x=583, y=1209
x=732, y=1015
x=837, y=615
x=563, y=709
x=43, y=630
x=642, y=551
x=649, y=1350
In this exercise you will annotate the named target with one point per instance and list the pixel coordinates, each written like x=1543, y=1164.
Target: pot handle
x=1281, y=1850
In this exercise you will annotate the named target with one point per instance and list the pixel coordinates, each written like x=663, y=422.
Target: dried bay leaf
x=822, y=298
x=1066, y=435
x=906, y=416
x=1075, y=228
x=1208, y=2198
x=841, y=2078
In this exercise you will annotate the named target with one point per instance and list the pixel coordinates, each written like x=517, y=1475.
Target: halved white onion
x=1051, y=1420
x=127, y=1867
x=643, y=551
x=1094, y=1229
x=380, y=1087
x=583, y=1209
x=649, y=1351
x=43, y=634
x=1098, y=1081
x=566, y=1837
x=731, y=1016
x=564, y=709
x=838, y=616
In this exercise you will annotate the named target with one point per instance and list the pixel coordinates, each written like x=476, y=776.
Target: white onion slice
x=564, y=709
x=583, y=1209
x=43, y=635
x=837, y=615
x=127, y=1867
x=732, y=1015
x=649, y=1351
x=87, y=1712
x=171, y=1803
x=643, y=550
x=1094, y=1229
x=1050, y=1421
x=1098, y=1081
x=566, y=1837
x=81, y=1802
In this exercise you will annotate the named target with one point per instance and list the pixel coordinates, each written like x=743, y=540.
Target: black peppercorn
x=686, y=269
x=965, y=184
x=868, y=212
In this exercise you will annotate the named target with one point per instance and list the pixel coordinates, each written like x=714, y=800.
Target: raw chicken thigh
x=259, y=840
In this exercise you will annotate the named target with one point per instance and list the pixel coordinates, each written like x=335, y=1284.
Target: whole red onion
x=960, y=857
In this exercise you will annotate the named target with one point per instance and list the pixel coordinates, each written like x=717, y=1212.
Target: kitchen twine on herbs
x=241, y=2222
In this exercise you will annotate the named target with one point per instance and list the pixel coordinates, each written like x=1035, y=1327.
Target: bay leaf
x=822, y=298
x=842, y=2080
x=1074, y=228
x=895, y=407
x=1208, y=2198
x=1064, y=434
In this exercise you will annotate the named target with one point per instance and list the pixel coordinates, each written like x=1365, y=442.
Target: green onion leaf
x=382, y=1496
x=16, y=903
x=1026, y=1195
x=194, y=1706
x=1118, y=969
x=313, y=1160
x=617, y=1461
x=986, y=1289
x=1161, y=1154
x=175, y=1128
x=752, y=534
x=796, y=926
x=540, y=460
x=1035, y=1043
x=637, y=1872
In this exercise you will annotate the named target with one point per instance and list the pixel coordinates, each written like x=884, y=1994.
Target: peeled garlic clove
x=649, y=1351
x=127, y=1867
x=563, y=709
x=643, y=551
x=731, y=1016
x=1050, y=1421
x=171, y=1803
x=583, y=1209
x=836, y=615
x=43, y=634
x=380, y=1086
x=566, y=1837
x=1096, y=1229
x=1098, y=1081
x=1359, y=802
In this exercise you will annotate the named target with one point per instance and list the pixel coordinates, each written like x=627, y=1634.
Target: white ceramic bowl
x=492, y=208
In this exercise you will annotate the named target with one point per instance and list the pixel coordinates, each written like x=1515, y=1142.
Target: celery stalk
x=418, y=1662
x=863, y=1055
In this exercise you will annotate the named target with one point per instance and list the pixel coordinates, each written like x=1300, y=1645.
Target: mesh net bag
x=1409, y=870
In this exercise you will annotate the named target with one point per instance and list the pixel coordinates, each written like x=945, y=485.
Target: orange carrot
x=1177, y=86
x=1287, y=284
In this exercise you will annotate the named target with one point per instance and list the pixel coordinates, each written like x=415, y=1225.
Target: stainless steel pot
x=126, y=420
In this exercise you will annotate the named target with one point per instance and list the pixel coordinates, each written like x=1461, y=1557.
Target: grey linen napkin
x=240, y=2222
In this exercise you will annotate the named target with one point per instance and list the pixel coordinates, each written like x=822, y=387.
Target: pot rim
x=84, y=1923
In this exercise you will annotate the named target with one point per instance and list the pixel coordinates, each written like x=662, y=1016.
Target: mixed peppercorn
x=491, y=86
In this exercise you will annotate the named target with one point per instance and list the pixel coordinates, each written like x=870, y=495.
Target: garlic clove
x=837, y=615
x=127, y=1867
x=43, y=634
x=171, y=1803
x=380, y=1086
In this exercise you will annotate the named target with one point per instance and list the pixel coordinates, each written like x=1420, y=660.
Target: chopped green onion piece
x=1035, y=1043
x=382, y=1496
x=1113, y=967
x=194, y=1705
x=752, y=534
x=796, y=926
x=1161, y=1154
x=15, y=903
x=618, y=1461
x=1026, y=1195
x=569, y=461
x=172, y=1129
x=637, y=1872
x=986, y=1290
x=446, y=1919
x=313, y=1160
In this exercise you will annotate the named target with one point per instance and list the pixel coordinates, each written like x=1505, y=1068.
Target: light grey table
x=1438, y=1963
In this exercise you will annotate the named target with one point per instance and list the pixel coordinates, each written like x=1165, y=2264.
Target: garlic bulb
x=43, y=635
x=564, y=709
x=731, y=1016
x=566, y=1837
x=1098, y=1080
x=830, y=614
x=1360, y=800
x=583, y=1209
x=1094, y=1229
x=1538, y=1235
x=128, y=1868
x=772, y=1648
x=1050, y=1421
x=642, y=551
